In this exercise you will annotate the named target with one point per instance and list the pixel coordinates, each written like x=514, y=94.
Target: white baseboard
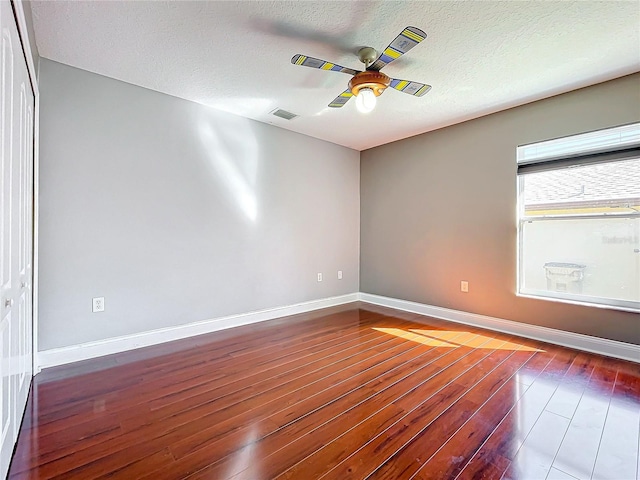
x=75, y=353
x=602, y=346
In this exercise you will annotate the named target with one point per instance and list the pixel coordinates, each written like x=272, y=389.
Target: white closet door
x=16, y=233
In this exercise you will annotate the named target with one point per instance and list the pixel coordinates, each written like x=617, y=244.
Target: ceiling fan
x=368, y=84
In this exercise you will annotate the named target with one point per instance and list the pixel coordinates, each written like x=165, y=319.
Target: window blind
x=617, y=143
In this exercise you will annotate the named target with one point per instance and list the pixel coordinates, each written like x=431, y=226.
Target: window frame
x=549, y=162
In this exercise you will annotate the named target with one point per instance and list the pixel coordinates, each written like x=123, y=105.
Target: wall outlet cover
x=98, y=304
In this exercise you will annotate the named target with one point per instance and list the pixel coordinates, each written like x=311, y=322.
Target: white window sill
x=583, y=303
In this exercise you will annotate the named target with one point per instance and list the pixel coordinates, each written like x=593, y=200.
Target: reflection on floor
x=443, y=338
x=349, y=392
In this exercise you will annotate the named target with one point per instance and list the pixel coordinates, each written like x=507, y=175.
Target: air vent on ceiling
x=278, y=112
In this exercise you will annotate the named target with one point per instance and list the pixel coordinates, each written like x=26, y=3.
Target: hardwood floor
x=356, y=391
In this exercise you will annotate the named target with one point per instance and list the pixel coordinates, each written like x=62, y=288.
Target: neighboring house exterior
x=594, y=248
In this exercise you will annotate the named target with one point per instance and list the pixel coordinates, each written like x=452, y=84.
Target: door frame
x=23, y=32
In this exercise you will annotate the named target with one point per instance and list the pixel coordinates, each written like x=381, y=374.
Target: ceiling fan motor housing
x=376, y=81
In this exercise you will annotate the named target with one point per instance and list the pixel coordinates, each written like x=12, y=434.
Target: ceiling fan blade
x=321, y=64
x=408, y=38
x=412, y=88
x=341, y=99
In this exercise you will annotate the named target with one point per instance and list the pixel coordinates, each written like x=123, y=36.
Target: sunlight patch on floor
x=446, y=338
x=424, y=339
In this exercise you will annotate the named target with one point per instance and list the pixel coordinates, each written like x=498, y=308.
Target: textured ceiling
x=480, y=56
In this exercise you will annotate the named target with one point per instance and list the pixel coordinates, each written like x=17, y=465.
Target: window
x=579, y=218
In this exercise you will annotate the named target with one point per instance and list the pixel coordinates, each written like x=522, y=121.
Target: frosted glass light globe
x=365, y=100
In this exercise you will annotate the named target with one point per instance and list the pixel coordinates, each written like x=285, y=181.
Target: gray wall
x=440, y=207
x=176, y=213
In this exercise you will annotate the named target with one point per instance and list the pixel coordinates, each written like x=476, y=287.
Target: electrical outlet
x=319, y=277
x=339, y=274
x=98, y=304
x=464, y=286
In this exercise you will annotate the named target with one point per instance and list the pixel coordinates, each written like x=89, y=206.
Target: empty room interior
x=320, y=240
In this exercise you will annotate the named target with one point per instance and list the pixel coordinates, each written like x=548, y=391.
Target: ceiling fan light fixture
x=376, y=81
x=366, y=86
x=365, y=100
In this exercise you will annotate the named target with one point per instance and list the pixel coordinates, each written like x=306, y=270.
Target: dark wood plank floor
x=350, y=392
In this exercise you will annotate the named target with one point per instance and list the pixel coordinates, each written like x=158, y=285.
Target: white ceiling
x=479, y=56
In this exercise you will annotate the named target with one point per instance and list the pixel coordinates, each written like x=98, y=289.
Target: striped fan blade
x=408, y=38
x=412, y=88
x=341, y=99
x=321, y=64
